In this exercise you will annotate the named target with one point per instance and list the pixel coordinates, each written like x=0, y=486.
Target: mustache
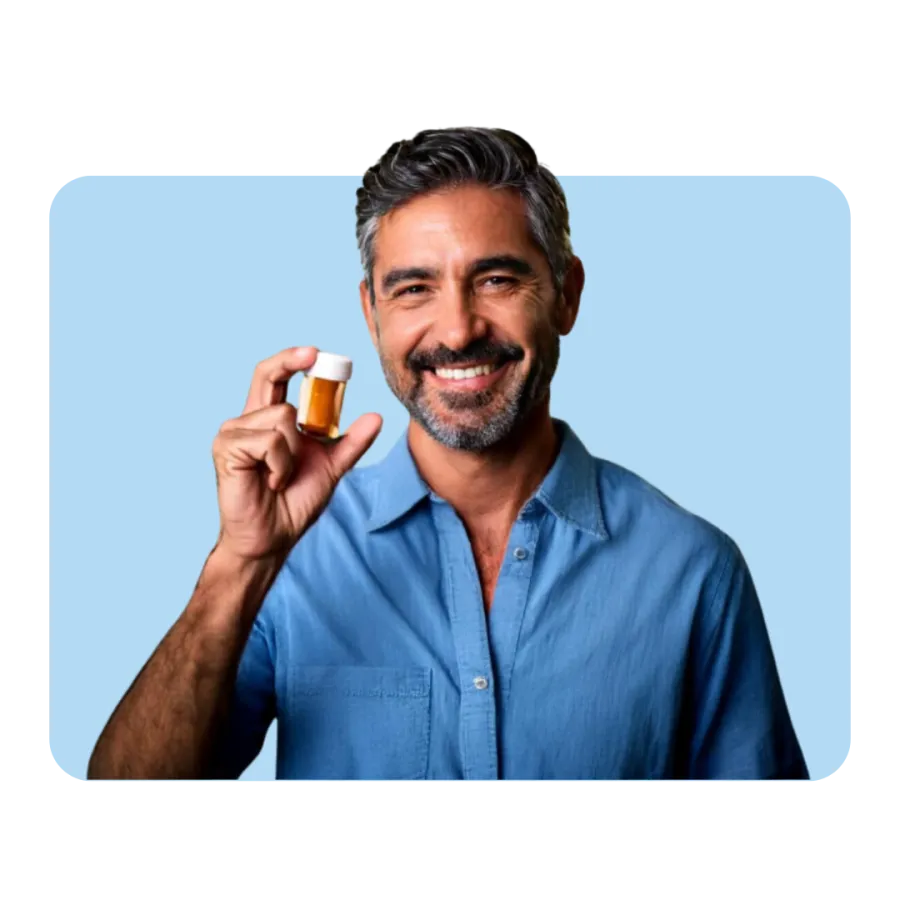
x=482, y=350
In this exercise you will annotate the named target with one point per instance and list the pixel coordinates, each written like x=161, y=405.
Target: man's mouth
x=466, y=372
x=470, y=377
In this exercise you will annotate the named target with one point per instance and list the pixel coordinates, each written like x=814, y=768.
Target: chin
x=468, y=440
x=475, y=432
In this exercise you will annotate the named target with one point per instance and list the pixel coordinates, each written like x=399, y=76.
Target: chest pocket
x=346, y=722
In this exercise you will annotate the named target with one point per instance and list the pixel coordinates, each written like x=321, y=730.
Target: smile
x=475, y=378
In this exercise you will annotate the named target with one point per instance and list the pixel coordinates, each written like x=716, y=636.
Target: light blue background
x=727, y=387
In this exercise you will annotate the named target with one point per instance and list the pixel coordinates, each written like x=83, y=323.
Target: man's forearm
x=166, y=724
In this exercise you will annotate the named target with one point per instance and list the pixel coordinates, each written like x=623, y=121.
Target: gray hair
x=448, y=157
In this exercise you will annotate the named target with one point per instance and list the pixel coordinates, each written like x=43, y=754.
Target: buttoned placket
x=485, y=656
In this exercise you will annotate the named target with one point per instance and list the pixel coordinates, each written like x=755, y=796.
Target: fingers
x=346, y=453
x=281, y=417
x=271, y=376
x=243, y=449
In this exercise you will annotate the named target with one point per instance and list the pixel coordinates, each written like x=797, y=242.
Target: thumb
x=346, y=452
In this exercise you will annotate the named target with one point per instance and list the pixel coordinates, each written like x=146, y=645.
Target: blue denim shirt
x=625, y=641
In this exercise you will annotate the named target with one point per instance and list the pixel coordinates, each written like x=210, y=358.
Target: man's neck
x=489, y=487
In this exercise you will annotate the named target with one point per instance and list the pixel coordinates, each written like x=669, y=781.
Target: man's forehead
x=461, y=222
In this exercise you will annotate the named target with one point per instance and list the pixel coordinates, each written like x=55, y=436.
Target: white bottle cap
x=331, y=367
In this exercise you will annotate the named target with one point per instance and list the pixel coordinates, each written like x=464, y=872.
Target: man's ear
x=573, y=285
x=368, y=308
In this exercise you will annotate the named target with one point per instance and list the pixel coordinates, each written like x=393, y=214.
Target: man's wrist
x=232, y=587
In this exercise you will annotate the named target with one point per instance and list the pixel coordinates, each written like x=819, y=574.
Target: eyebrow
x=489, y=263
x=505, y=261
x=411, y=273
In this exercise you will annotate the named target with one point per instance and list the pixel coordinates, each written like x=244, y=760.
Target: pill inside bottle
x=322, y=396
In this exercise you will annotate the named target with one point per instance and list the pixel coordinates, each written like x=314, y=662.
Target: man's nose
x=459, y=321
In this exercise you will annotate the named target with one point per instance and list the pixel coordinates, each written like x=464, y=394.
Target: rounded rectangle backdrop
x=711, y=356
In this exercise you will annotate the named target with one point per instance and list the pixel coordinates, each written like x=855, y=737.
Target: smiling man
x=490, y=601
x=466, y=315
x=473, y=387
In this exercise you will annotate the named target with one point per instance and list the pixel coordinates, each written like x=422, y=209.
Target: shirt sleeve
x=252, y=707
x=741, y=725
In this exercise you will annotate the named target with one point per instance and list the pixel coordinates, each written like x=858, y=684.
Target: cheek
x=524, y=321
x=400, y=334
x=531, y=299
x=544, y=311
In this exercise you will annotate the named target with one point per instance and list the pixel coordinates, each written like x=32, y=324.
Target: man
x=488, y=602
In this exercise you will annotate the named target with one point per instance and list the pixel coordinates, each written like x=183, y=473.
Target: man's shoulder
x=636, y=508
x=333, y=540
x=355, y=492
x=351, y=505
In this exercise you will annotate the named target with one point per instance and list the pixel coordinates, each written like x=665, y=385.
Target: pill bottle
x=322, y=396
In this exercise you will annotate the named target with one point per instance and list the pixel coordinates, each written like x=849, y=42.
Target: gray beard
x=500, y=425
x=460, y=437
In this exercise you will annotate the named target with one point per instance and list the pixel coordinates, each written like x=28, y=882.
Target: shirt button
x=520, y=553
x=480, y=682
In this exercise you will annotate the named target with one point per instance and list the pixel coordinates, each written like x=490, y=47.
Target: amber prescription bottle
x=322, y=396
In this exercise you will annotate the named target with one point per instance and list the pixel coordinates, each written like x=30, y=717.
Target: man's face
x=466, y=319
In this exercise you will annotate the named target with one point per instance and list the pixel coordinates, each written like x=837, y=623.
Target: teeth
x=460, y=374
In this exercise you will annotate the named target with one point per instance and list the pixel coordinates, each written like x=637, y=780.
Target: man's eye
x=498, y=280
x=412, y=289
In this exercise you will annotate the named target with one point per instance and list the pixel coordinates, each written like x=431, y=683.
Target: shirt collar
x=570, y=489
x=398, y=485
